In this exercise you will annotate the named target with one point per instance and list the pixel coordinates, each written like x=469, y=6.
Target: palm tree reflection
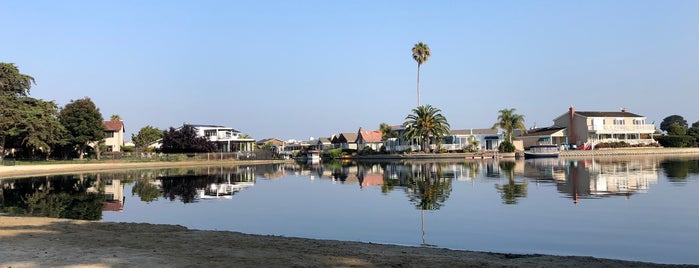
x=428, y=189
x=512, y=190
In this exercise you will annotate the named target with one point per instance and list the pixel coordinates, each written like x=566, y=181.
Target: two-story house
x=227, y=139
x=114, y=135
x=589, y=128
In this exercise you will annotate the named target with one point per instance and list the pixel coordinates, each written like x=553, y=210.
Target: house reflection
x=595, y=178
x=190, y=185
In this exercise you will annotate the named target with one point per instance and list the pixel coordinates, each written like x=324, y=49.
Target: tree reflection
x=428, y=189
x=512, y=190
x=679, y=169
x=146, y=191
x=69, y=197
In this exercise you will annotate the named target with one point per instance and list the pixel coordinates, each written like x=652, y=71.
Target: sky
x=300, y=69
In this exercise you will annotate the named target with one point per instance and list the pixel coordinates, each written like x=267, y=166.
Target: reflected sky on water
x=644, y=208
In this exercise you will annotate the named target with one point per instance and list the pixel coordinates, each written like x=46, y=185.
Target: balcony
x=611, y=129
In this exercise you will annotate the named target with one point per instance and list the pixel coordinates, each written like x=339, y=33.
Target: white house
x=585, y=127
x=227, y=139
x=487, y=139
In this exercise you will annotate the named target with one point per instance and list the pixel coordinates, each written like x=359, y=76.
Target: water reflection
x=596, y=178
x=426, y=185
x=511, y=191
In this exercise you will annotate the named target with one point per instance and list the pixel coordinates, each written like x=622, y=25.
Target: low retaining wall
x=629, y=151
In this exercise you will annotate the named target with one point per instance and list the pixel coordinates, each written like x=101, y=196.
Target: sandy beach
x=44, y=242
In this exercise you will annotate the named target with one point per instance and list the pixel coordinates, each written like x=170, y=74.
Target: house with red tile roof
x=369, y=138
x=114, y=135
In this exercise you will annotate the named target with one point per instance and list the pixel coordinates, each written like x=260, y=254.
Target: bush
x=616, y=144
x=366, y=151
x=335, y=153
x=506, y=147
x=676, y=141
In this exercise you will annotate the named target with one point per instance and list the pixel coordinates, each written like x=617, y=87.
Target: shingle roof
x=607, y=114
x=113, y=125
x=370, y=135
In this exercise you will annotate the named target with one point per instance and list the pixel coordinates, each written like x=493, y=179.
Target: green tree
x=694, y=133
x=473, y=144
x=12, y=82
x=115, y=117
x=676, y=129
x=146, y=136
x=185, y=140
x=39, y=126
x=13, y=86
x=508, y=121
x=421, y=53
x=425, y=122
x=387, y=131
x=84, y=123
x=673, y=119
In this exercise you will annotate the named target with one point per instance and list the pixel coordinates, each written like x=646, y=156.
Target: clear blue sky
x=295, y=69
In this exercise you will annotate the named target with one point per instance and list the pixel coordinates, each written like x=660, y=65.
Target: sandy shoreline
x=42, y=242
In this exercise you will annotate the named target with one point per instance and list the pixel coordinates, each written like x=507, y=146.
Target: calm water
x=644, y=209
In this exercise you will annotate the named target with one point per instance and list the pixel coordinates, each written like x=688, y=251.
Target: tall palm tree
x=426, y=121
x=421, y=53
x=508, y=120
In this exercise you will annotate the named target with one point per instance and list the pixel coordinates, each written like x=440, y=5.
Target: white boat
x=542, y=151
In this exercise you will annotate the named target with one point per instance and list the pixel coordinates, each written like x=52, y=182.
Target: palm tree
x=115, y=117
x=421, y=53
x=426, y=121
x=387, y=131
x=508, y=120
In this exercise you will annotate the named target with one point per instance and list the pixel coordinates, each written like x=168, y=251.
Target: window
x=619, y=121
x=109, y=134
x=210, y=132
x=639, y=122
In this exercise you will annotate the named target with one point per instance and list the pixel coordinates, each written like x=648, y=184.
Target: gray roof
x=544, y=131
x=607, y=114
x=482, y=131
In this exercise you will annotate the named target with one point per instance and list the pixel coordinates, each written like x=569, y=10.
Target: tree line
x=677, y=133
x=34, y=128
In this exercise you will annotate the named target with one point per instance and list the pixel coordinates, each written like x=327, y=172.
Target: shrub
x=366, y=151
x=676, y=141
x=506, y=147
x=616, y=144
x=335, y=153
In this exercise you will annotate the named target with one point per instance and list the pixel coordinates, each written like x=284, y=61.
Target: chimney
x=623, y=109
x=571, y=126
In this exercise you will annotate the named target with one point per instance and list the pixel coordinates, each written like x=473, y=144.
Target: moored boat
x=542, y=151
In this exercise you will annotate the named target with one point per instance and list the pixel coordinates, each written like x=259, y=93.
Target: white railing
x=622, y=128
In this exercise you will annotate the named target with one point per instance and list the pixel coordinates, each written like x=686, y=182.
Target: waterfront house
x=322, y=144
x=586, y=128
x=227, y=139
x=400, y=143
x=369, y=138
x=458, y=140
x=114, y=135
x=544, y=135
x=273, y=142
x=345, y=141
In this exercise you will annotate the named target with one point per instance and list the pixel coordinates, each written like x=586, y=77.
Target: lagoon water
x=644, y=209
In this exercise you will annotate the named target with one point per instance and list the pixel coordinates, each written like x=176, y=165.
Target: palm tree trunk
x=418, y=84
